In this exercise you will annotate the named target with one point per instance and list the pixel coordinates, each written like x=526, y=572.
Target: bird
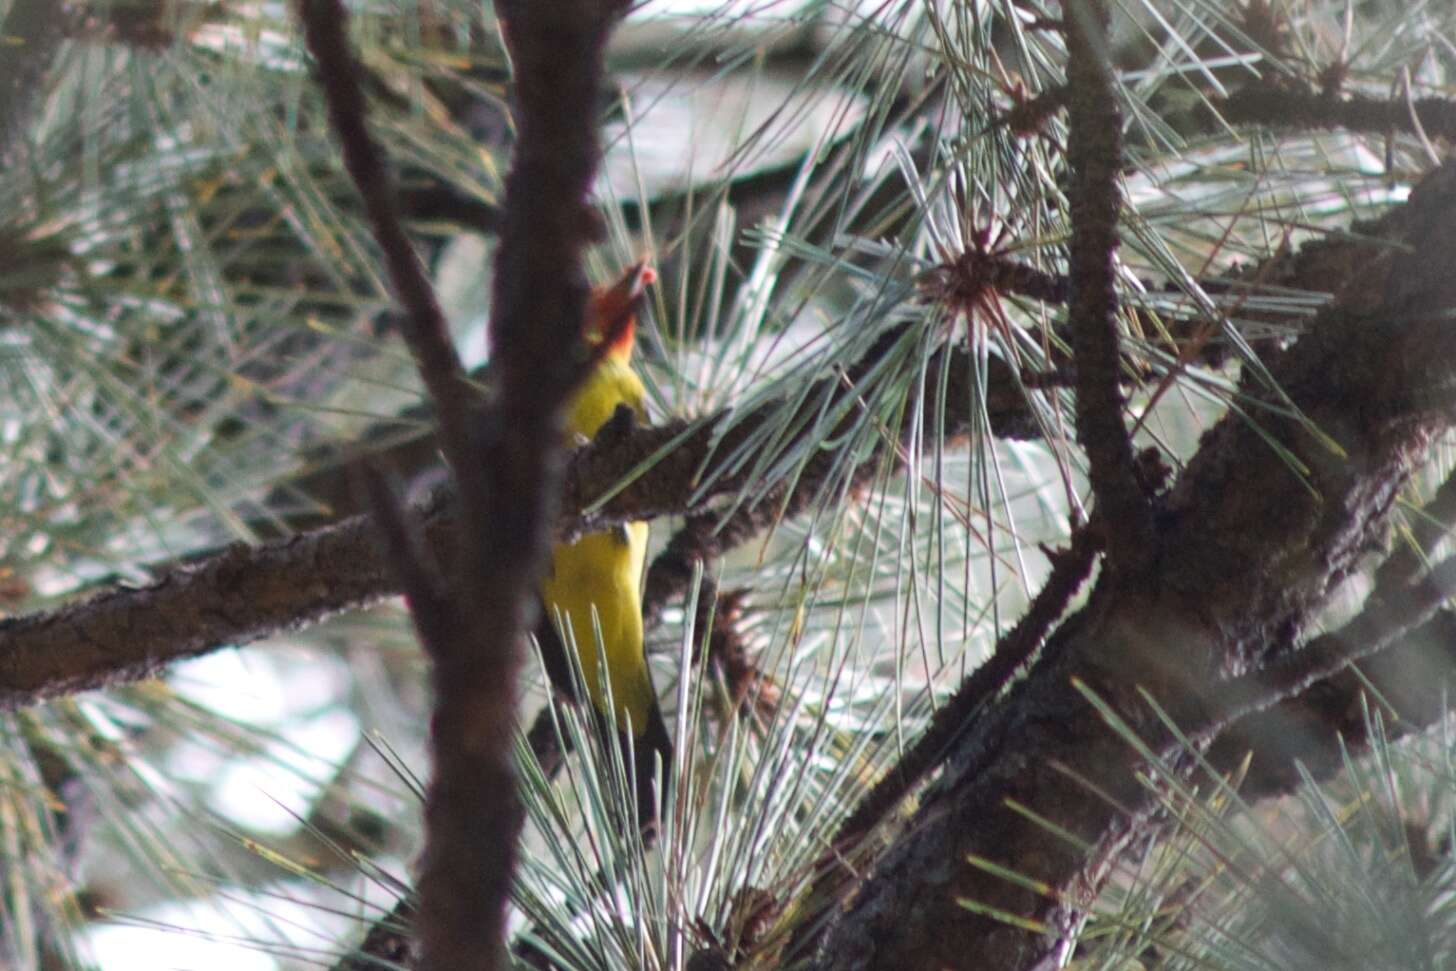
x=595, y=582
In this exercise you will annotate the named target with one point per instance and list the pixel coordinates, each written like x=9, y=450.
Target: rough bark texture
x=1247, y=552
x=1094, y=161
x=508, y=469
x=234, y=596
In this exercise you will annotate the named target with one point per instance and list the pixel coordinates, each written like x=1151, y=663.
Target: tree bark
x=1247, y=552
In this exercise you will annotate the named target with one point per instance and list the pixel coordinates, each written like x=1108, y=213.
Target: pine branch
x=1094, y=155
x=241, y=594
x=1312, y=734
x=465, y=876
x=1249, y=544
x=1389, y=617
x=234, y=596
x=1297, y=106
x=505, y=462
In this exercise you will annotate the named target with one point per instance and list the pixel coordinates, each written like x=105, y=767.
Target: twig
x=1289, y=105
x=423, y=323
x=1319, y=728
x=1094, y=154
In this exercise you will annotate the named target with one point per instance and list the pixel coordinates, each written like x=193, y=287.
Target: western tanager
x=595, y=583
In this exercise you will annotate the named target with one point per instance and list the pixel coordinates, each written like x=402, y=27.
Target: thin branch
x=1070, y=569
x=1094, y=155
x=1289, y=105
x=1312, y=734
x=472, y=815
x=423, y=322
x=423, y=588
x=510, y=499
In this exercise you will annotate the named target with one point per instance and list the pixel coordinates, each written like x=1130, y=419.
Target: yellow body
x=604, y=570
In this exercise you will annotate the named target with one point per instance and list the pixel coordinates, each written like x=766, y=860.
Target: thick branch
x=1248, y=547
x=243, y=594
x=1315, y=730
x=238, y=595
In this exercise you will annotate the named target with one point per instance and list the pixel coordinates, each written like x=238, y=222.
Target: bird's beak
x=637, y=279
x=613, y=309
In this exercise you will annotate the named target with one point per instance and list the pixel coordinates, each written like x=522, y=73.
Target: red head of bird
x=611, y=321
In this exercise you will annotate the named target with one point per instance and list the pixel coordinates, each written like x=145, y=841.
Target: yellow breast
x=596, y=582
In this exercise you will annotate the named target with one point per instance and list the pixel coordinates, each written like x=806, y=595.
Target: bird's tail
x=652, y=747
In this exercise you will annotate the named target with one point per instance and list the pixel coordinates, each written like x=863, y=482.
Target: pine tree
x=1048, y=470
